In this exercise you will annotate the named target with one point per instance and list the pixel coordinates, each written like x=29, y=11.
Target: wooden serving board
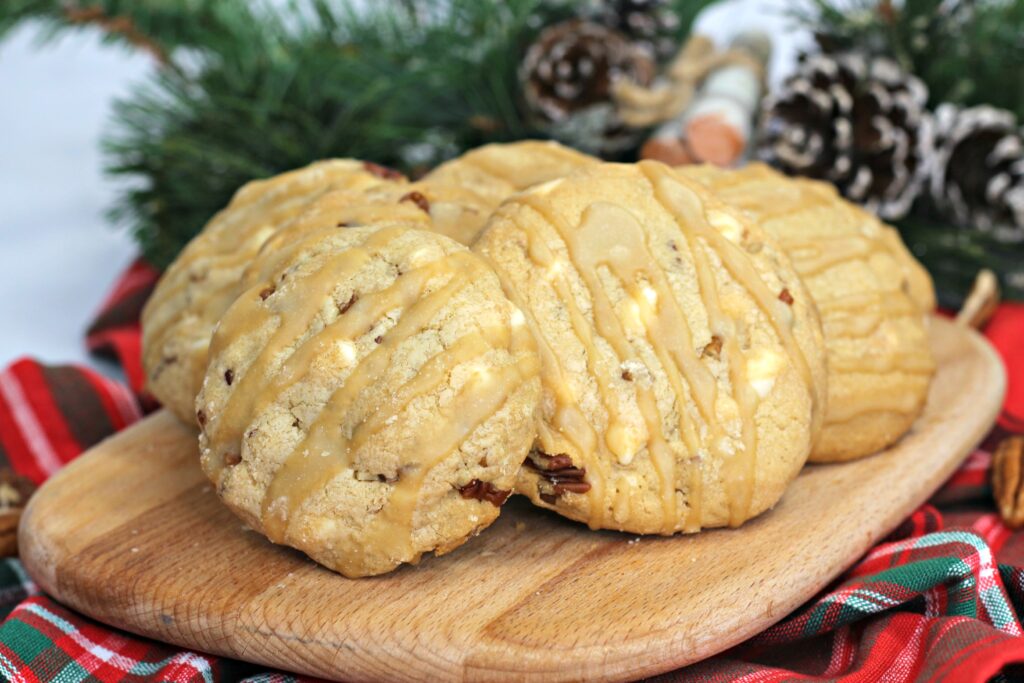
x=132, y=535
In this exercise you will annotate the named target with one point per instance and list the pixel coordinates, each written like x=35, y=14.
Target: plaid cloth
x=941, y=599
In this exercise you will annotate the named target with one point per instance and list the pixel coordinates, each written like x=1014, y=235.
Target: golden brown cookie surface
x=454, y=200
x=683, y=367
x=871, y=294
x=198, y=287
x=370, y=398
x=486, y=176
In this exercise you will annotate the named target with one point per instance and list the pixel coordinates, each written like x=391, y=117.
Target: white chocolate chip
x=763, y=367
x=727, y=225
x=347, y=350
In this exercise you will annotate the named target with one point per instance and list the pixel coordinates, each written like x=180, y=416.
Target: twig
x=122, y=26
x=982, y=302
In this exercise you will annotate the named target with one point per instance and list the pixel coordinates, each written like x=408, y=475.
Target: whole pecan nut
x=1008, y=480
x=15, y=491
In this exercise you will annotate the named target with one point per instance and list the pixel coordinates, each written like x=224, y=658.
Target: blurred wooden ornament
x=716, y=124
x=641, y=106
x=669, y=149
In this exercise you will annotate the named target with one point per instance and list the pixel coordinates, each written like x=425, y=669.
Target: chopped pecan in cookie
x=713, y=348
x=558, y=471
x=418, y=199
x=382, y=171
x=343, y=308
x=484, y=491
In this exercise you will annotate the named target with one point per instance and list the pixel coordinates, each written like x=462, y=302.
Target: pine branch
x=966, y=51
x=121, y=26
x=252, y=91
x=954, y=255
x=157, y=27
x=401, y=90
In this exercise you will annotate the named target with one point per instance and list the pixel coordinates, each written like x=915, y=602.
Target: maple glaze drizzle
x=331, y=444
x=229, y=243
x=570, y=422
x=686, y=208
x=852, y=316
x=224, y=249
x=609, y=237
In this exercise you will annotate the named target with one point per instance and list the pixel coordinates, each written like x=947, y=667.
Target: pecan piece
x=418, y=199
x=1007, y=480
x=559, y=472
x=382, y=171
x=484, y=491
x=713, y=348
x=343, y=308
x=15, y=491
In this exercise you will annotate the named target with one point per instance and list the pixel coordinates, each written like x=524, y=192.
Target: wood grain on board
x=132, y=534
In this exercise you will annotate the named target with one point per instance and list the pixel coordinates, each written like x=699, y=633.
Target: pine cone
x=977, y=174
x=651, y=25
x=567, y=76
x=860, y=123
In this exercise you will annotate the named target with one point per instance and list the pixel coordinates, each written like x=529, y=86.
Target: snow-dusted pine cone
x=858, y=122
x=567, y=77
x=977, y=172
x=651, y=25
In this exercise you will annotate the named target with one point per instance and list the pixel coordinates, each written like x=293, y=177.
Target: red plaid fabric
x=116, y=333
x=941, y=599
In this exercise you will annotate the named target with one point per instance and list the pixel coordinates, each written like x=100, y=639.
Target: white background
x=58, y=254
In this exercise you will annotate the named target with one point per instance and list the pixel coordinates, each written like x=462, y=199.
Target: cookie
x=682, y=359
x=196, y=289
x=487, y=175
x=370, y=399
x=454, y=200
x=438, y=206
x=871, y=295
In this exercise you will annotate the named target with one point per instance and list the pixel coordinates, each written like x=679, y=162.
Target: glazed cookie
x=871, y=295
x=487, y=175
x=370, y=399
x=682, y=360
x=196, y=289
x=438, y=206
